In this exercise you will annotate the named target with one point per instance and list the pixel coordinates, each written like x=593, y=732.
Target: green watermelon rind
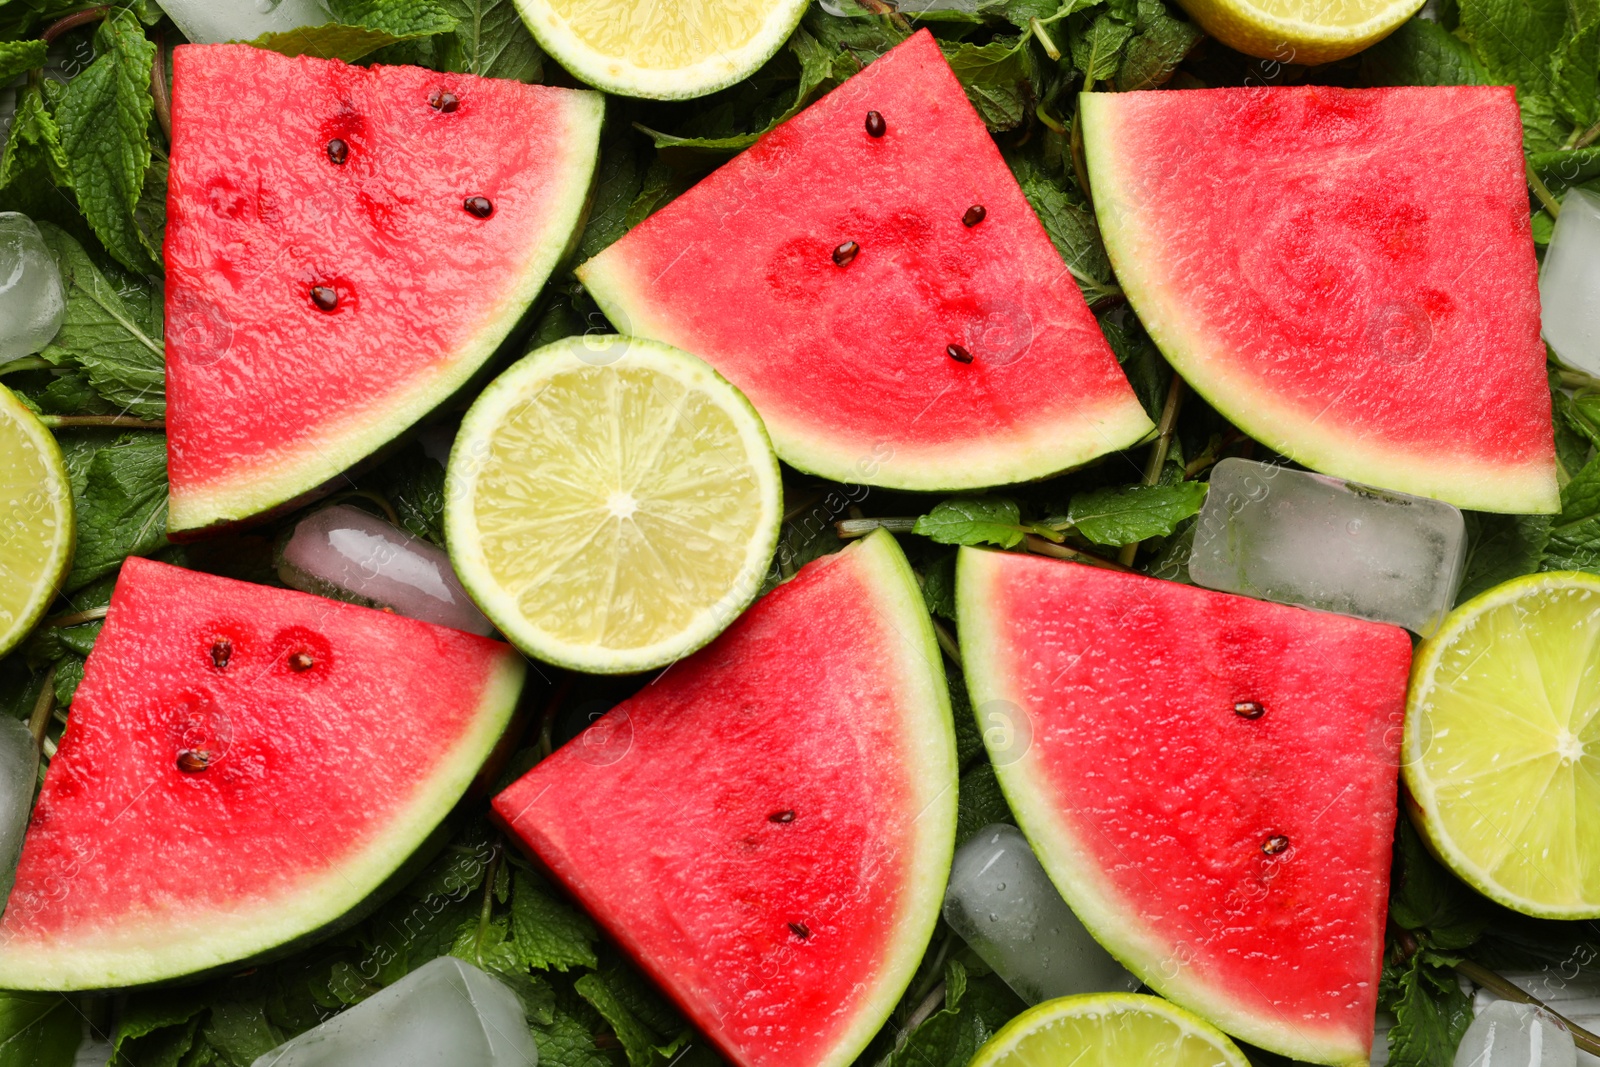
x=1135, y=250
x=264, y=490
x=923, y=692
x=718, y=72
x=207, y=941
x=472, y=444
x=1032, y=453
x=1111, y=920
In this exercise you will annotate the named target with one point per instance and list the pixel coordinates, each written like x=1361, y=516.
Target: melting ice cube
x=345, y=553
x=1002, y=903
x=215, y=21
x=1301, y=538
x=1515, y=1035
x=444, y=1012
x=1575, y=995
x=1569, y=283
x=19, y=773
x=32, y=303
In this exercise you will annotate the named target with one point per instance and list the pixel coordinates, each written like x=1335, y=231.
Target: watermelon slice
x=329, y=277
x=1347, y=275
x=767, y=828
x=833, y=276
x=243, y=765
x=1209, y=780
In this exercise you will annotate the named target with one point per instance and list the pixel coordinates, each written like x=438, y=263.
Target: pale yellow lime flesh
x=36, y=530
x=612, y=505
x=1502, y=744
x=1109, y=1030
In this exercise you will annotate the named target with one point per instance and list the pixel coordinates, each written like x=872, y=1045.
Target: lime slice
x=611, y=503
x=36, y=530
x=1300, y=31
x=1502, y=744
x=665, y=49
x=1109, y=1030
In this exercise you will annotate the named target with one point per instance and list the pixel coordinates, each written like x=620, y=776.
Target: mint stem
x=848, y=528
x=1542, y=191
x=1042, y=547
x=158, y=88
x=948, y=642
x=39, y=721
x=1050, y=48
x=1503, y=989
x=1158, y=451
x=77, y=618
x=73, y=21
x=79, y=422
x=26, y=363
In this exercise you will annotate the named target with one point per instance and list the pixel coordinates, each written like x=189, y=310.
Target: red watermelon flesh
x=268, y=394
x=242, y=766
x=1210, y=780
x=767, y=827
x=850, y=365
x=1347, y=275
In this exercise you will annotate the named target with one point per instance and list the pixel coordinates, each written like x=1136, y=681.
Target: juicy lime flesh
x=616, y=504
x=1508, y=742
x=1108, y=1032
x=35, y=521
x=664, y=34
x=1329, y=14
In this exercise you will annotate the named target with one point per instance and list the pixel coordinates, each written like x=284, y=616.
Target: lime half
x=1109, y=1030
x=36, y=530
x=666, y=49
x=1300, y=31
x=1502, y=744
x=611, y=503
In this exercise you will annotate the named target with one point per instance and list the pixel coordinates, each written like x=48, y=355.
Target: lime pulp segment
x=36, y=528
x=1109, y=1030
x=1502, y=744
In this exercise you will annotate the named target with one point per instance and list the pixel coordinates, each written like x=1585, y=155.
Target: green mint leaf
x=413, y=483
x=332, y=41
x=1431, y=1013
x=618, y=180
x=17, y=57
x=1575, y=534
x=995, y=76
x=80, y=639
x=69, y=672
x=1500, y=548
x=639, y=1042
x=238, y=1031
x=33, y=149
x=401, y=19
x=168, y=1047
x=104, y=115
x=1515, y=38
x=491, y=41
x=939, y=587
x=1097, y=51
x=1132, y=513
x=662, y=185
x=38, y=1030
x=568, y=1042
x=120, y=355
x=979, y=802
x=975, y=1008
x=1428, y=900
x=1422, y=52
x=1159, y=45
x=1543, y=126
x=1071, y=226
x=150, y=1011
x=547, y=933
x=973, y=520
x=121, y=510
x=1575, y=67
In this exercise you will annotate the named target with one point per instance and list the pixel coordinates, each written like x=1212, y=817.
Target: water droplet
x=221, y=653
x=443, y=100
x=1274, y=844
x=326, y=298
x=975, y=214
x=300, y=662
x=846, y=253
x=875, y=124
x=1000, y=887
x=781, y=816
x=1249, y=709
x=1354, y=526
x=478, y=207
x=338, y=152
x=957, y=353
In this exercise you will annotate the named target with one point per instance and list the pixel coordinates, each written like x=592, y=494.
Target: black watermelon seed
x=875, y=124
x=974, y=215
x=193, y=760
x=846, y=253
x=781, y=816
x=325, y=297
x=1249, y=709
x=300, y=662
x=1274, y=844
x=478, y=207
x=801, y=930
x=221, y=652
x=338, y=151
x=443, y=100
x=957, y=353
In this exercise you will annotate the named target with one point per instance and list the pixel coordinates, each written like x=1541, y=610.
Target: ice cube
x=444, y=1012
x=1576, y=996
x=32, y=302
x=1515, y=1035
x=93, y=1052
x=1569, y=283
x=1380, y=1040
x=1300, y=538
x=215, y=21
x=1001, y=902
x=344, y=552
x=19, y=774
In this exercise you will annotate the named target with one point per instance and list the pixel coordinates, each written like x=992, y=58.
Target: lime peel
x=1109, y=1030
